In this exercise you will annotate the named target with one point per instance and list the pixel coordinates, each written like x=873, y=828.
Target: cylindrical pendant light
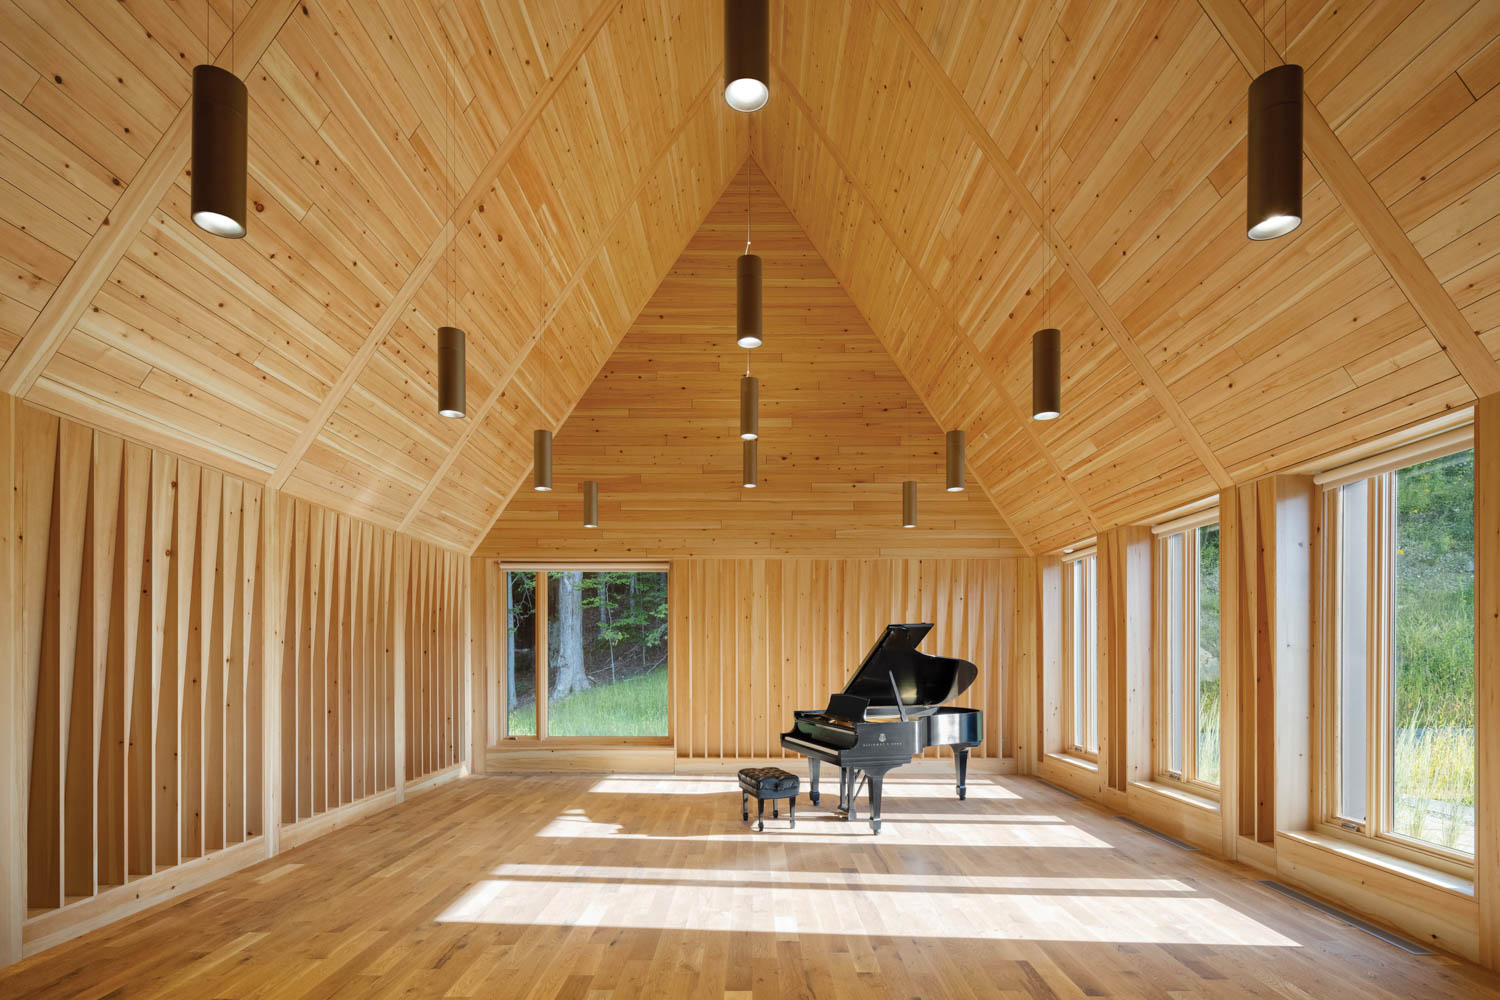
x=749, y=407
x=747, y=54
x=750, y=475
x=591, y=504
x=1046, y=374
x=451, y=395
x=541, y=461
x=1274, y=189
x=747, y=300
x=909, y=504
x=955, y=465
x=219, y=141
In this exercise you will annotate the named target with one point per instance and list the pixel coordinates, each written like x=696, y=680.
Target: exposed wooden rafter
x=1075, y=268
x=145, y=192
x=438, y=247
x=1407, y=267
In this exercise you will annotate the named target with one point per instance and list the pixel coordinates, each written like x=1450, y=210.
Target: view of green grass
x=633, y=707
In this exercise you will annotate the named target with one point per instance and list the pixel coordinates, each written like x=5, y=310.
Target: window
x=598, y=669
x=1080, y=655
x=1399, y=663
x=1187, y=662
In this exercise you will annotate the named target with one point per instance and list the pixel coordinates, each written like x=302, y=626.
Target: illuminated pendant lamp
x=1046, y=374
x=955, y=464
x=909, y=504
x=220, y=123
x=1273, y=204
x=749, y=407
x=747, y=299
x=591, y=504
x=541, y=461
x=451, y=393
x=747, y=54
x=749, y=454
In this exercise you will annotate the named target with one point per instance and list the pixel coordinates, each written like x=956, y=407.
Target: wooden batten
x=1487, y=662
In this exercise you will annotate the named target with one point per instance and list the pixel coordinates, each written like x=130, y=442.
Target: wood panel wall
x=754, y=639
x=166, y=621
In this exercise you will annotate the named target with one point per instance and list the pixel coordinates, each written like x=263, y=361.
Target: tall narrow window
x=598, y=669
x=1400, y=735
x=1080, y=654
x=1187, y=629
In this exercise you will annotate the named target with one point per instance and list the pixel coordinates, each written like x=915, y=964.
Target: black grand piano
x=890, y=711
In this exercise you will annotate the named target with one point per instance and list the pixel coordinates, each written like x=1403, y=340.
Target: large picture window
x=1080, y=655
x=1399, y=664
x=1186, y=612
x=586, y=654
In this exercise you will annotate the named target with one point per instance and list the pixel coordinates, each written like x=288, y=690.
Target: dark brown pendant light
x=749, y=460
x=541, y=461
x=955, y=463
x=1046, y=374
x=1273, y=204
x=451, y=394
x=747, y=299
x=747, y=54
x=909, y=504
x=749, y=407
x=220, y=124
x=591, y=504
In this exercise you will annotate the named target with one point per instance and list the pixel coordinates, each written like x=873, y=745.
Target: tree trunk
x=510, y=647
x=568, y=663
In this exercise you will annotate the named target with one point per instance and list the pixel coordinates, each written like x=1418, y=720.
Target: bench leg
x=775, y=808
x=744, y=805
x=791, y=811
x=760, y=815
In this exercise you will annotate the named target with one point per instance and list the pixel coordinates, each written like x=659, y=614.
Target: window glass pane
x=1353, y=592
x=1091, y=665
x=1207, y=699
x=1433, y=702
x=607, y=654
x=1174, y=653
x=520, y=653
x=1079, y=685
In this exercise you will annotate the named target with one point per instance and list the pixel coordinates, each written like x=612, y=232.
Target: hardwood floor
x=590, y=886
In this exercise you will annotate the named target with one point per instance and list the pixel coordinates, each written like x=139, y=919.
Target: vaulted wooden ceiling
x=907, y=137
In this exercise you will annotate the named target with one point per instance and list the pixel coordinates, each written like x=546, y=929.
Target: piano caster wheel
x=815, y=797
x=963, y=793
x=875, y=828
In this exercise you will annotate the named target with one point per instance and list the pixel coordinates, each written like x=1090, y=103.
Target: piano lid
x=925, y=681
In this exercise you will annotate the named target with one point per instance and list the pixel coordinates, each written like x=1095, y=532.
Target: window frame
x=504, y=738
x=1377, y=828
x=1071, y=561
x=1187, y=529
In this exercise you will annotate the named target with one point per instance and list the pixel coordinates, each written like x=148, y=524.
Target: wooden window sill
x=1435, y=878
x=1177, y=794
x=1082, y=763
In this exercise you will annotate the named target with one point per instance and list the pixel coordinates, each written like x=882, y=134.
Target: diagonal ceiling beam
x=1012, y=180
x=440, y=243
x=868, y=198
x=472, y=425
x=1408, y=268
x=136, y=203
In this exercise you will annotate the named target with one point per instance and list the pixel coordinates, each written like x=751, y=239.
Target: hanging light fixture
x=220, y=123
x=955, y=465
x=541, y=461
x=451, y=395
x=591, y=504
x=749, y=474
x=749, y=407
x=1274, y=189
x=747, y=54
x=747, y=297
x=1046, y=374
x=909, y=504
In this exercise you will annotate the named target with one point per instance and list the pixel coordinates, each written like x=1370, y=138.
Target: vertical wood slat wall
x=754, y=639
x=141, y=638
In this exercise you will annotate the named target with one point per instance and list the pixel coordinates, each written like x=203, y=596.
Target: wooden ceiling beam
x=870, y=203
x=1075, y=268
x=1407, y=267
x=472, y=424
x=440, y=243
x=140, y=198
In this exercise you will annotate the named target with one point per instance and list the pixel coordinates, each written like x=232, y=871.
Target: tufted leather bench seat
x=768, y=783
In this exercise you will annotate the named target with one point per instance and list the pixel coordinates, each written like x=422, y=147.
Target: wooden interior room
x=473, y=473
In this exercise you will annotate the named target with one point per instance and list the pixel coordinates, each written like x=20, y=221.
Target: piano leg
x=813, y=764
x=875, y=782
x=961, y=765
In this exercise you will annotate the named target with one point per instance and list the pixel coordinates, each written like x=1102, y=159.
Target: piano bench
x=767, y=783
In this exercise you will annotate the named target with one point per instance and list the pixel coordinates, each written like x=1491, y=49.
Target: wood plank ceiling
x=908, y=139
